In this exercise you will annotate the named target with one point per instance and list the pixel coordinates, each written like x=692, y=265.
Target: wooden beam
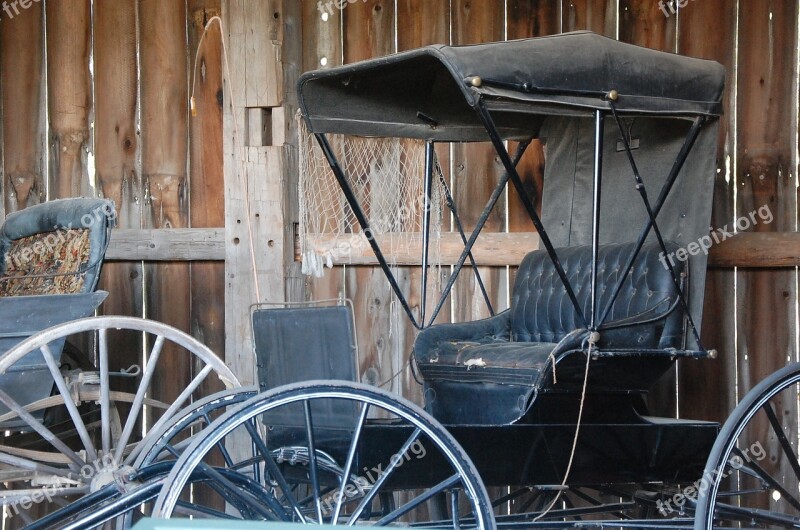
x=767, y=250
x=175, y=244
x=492, y=249
x=749, y=250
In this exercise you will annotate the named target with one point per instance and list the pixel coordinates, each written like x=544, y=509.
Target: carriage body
x=628, y=132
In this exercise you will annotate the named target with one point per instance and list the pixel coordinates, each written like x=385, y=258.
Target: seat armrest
x=498, y=326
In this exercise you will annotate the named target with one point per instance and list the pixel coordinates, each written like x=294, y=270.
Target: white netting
x=386, y=176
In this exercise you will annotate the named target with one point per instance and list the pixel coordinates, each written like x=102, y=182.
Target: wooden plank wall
x=76, y=119
x=95, y=100
x=750, y=316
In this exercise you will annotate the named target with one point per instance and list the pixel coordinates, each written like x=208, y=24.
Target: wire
x=236, y=139
x=593, y=337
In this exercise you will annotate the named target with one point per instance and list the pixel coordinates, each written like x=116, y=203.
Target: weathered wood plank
x=642, y=22
x=492, y=249
x=599, y=16
x=206, y=191
x=69, y=96
x=322, y=43
x=24, y=137
x=477, y=169
x=167, y=244
x=528, y=18
x=292, y=63
x=206, y=179
x=368, y=31
x=116, y=144
x=766, y=176
x=164, y=112
x=715, y=378
x=419, y=23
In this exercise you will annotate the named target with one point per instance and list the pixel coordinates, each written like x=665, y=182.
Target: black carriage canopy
x=430, y=93
x=636, y=123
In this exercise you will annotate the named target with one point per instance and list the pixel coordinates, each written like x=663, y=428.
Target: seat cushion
x=46, y=263
x=489, y=359
x=541, y=310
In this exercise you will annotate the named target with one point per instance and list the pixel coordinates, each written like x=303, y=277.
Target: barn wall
x=97, y=95
x=95, y=101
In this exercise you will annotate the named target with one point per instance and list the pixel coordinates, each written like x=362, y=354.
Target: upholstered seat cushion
x=518, y=347
x=55, y=247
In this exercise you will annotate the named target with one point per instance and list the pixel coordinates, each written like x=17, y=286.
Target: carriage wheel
x=89, y=432
x=752, y=476
x=297, y=442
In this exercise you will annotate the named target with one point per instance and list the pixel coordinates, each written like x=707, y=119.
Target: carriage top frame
x=518, y=90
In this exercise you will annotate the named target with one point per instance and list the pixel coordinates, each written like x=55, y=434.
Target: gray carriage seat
x=56, y=247
x=506, y=359
x=304, y=342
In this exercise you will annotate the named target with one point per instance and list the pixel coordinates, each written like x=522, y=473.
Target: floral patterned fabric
x=47, y=263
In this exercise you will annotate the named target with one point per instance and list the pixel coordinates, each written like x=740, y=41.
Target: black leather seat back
x=644, y=314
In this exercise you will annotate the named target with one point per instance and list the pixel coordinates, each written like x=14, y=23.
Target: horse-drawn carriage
x=545, y=405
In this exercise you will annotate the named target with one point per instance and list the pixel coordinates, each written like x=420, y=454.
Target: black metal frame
x=593, y=322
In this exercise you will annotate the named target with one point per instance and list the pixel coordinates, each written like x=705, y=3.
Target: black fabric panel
x=381, y=97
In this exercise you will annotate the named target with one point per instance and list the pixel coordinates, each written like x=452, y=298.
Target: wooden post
x=69, y=96
x=22, y=75
x=254, y=175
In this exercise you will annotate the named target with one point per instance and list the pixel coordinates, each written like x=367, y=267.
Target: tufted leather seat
x=515, y=348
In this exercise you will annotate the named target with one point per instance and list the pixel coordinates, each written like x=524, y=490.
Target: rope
x=594, y=337
x=236, y=140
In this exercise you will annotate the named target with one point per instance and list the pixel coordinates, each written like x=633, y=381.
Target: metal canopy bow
x=618, y=120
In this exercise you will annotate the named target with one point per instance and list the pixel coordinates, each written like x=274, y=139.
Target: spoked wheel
x=87, y=428
x=752, y=478
x=329, y=452
x=157, y=454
